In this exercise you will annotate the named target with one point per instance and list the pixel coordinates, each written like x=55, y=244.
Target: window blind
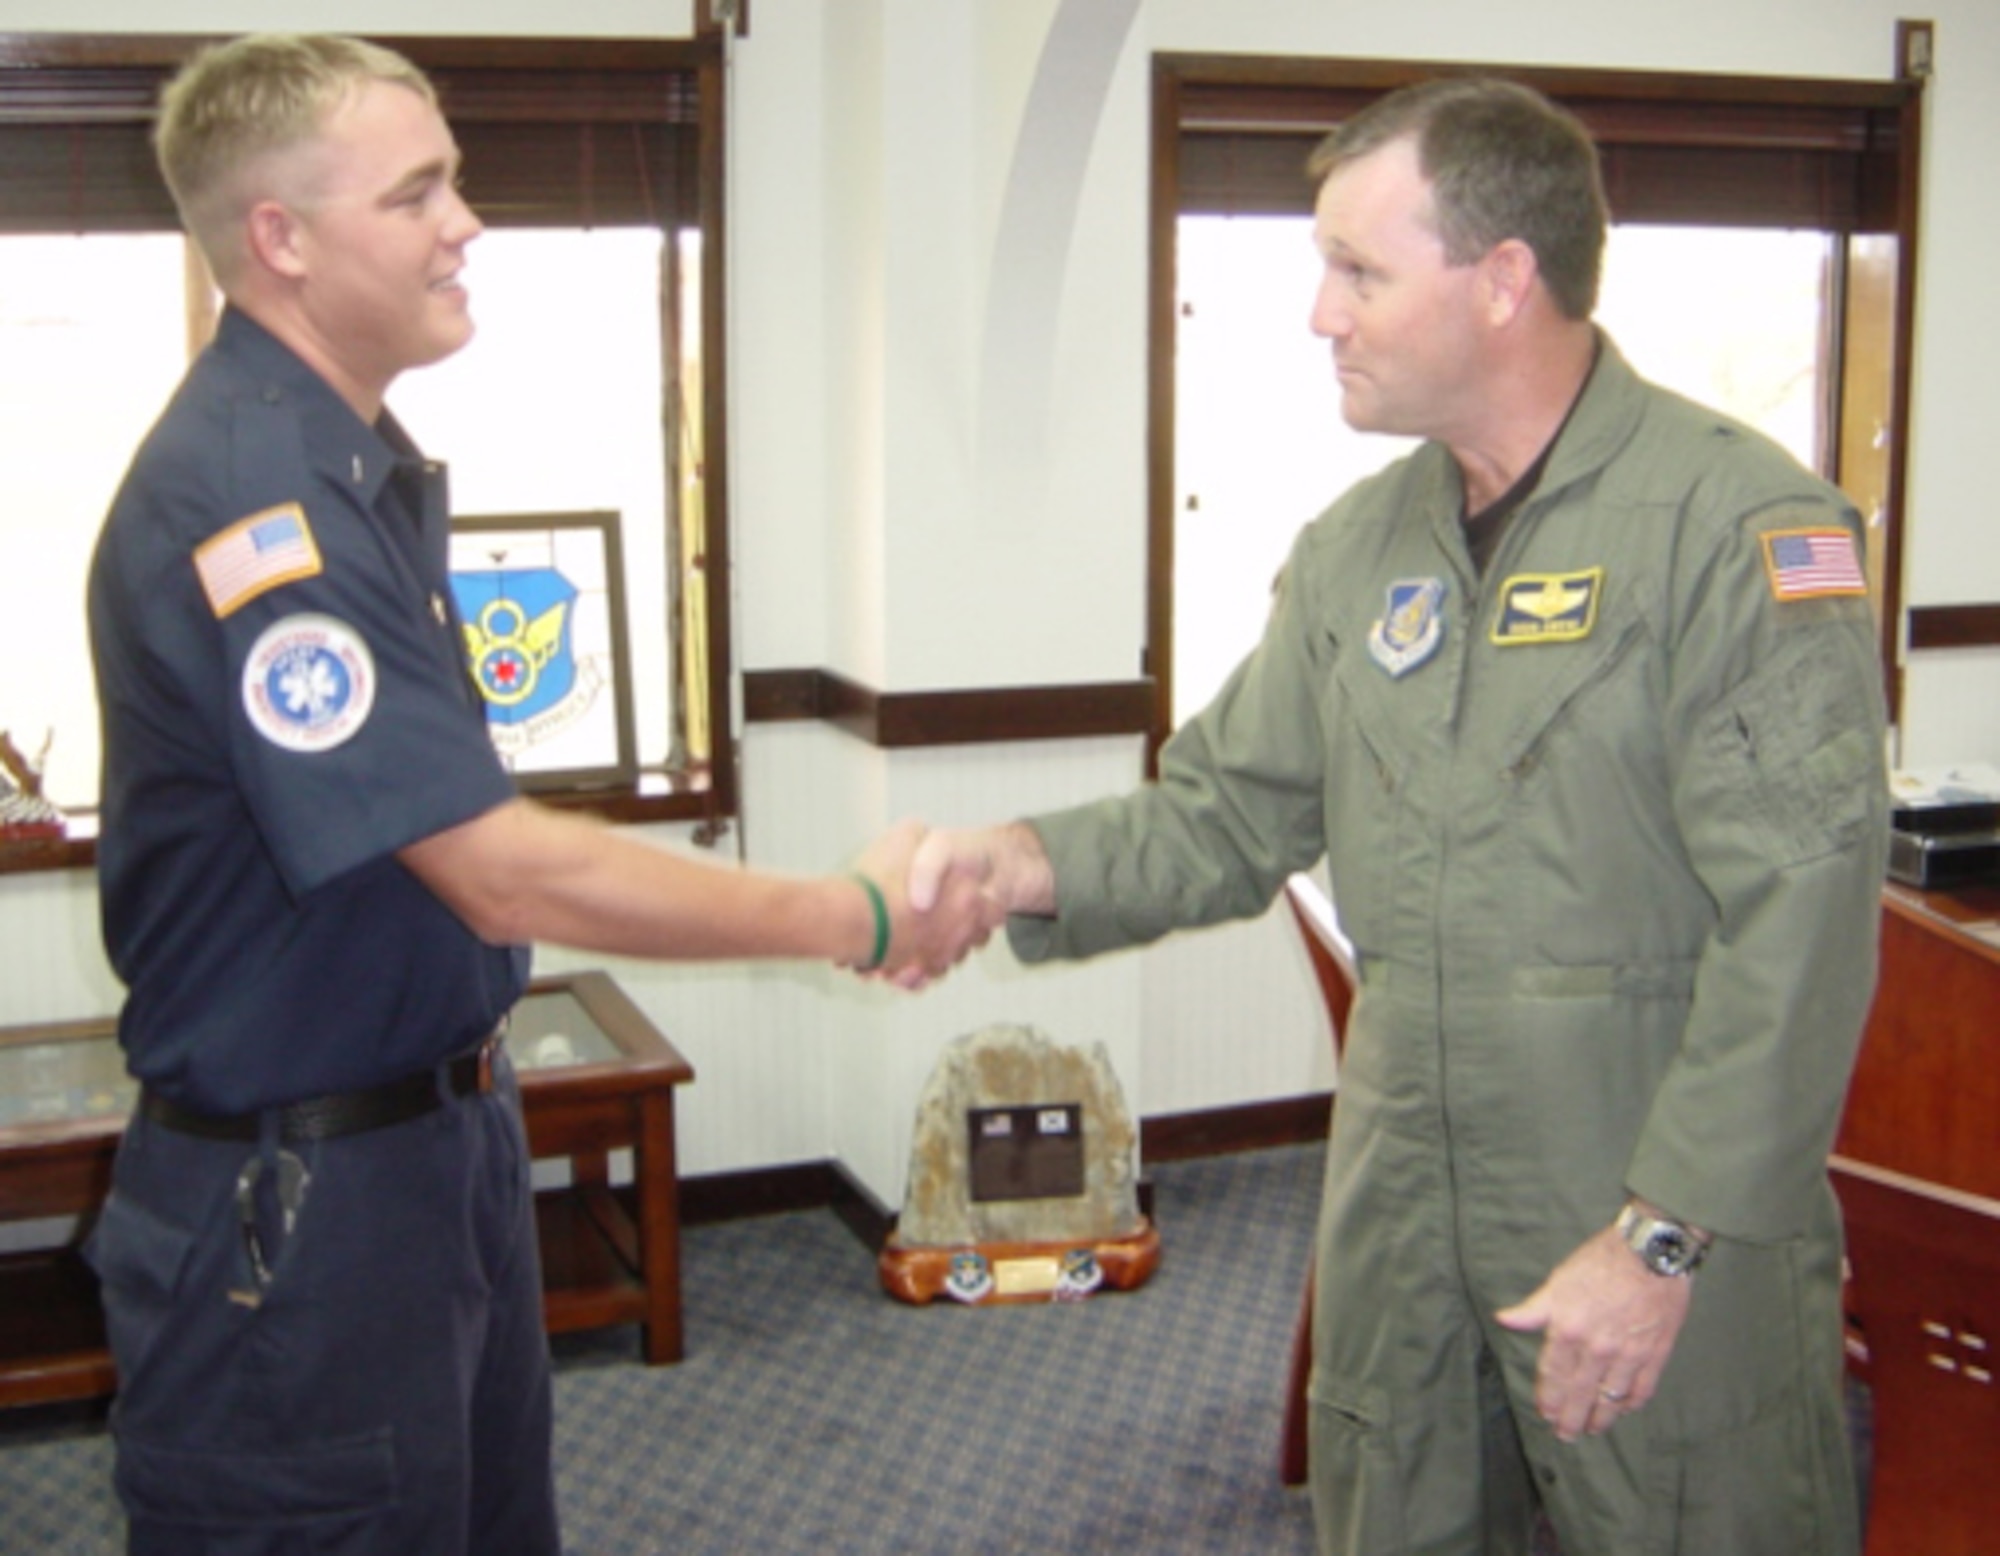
x=1792, y=153
x=555, y=132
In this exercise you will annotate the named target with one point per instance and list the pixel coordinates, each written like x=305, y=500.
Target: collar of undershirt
x=1484, y=528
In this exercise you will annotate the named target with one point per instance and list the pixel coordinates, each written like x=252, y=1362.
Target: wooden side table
x=596, y=1077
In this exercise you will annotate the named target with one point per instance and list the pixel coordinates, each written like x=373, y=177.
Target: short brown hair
x=235, y=103
x=1503, y=162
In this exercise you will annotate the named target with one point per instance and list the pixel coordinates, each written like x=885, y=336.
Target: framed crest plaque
x=542, y=600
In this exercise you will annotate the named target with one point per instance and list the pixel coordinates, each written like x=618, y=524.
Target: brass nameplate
x=1026, y=1277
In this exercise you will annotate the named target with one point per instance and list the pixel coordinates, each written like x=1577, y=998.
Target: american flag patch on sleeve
x=1808, y=564
x=256, y=554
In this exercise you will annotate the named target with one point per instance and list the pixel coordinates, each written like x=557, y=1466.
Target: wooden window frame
x=581, y=132
x=1230, y=133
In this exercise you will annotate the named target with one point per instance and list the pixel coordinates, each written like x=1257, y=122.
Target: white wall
x=938, y=370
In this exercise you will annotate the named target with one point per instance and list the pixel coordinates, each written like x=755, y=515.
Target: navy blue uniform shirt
x=285, y=704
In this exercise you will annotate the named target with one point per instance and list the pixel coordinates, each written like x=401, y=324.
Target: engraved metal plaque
x=1027, y=1152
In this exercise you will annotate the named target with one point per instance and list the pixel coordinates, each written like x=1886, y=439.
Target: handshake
x=936, y=895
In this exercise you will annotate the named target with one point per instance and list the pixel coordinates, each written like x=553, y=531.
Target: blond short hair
x=235, y=104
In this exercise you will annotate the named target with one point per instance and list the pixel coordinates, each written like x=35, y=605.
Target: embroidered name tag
x=1548, y=607
x=1810, y=564
x=255, y=555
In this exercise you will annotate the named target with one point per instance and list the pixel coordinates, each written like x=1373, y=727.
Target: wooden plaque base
x=980, y=1273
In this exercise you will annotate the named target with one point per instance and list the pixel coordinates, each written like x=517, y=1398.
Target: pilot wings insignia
x=1549, y=601
x=1548, y=607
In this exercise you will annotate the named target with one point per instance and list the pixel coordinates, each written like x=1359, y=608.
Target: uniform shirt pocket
x=1794, y=748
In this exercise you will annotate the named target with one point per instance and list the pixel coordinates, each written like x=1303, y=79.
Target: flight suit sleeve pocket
x=349, y=1479
x=1794, y=744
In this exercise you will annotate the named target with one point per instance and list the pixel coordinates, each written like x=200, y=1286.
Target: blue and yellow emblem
x=517, y=639
x=970, y=1277
x=1411, y=626
x=1081, y=1275
x=1548, y=607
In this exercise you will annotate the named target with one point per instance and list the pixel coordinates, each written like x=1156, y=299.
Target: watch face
x=1664, y=1247
x=1670, y=1251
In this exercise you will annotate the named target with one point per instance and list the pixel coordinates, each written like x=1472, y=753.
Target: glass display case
x=596, y=1076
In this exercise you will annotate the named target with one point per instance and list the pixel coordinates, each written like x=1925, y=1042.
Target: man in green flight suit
x=1582, y=704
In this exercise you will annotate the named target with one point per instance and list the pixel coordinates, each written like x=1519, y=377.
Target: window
x=592, y=384
x=1805, y=185
x=1262, y=448
x=92, y=340
x=555, y=407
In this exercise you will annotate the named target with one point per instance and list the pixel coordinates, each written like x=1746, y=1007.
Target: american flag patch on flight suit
x=1808, y=564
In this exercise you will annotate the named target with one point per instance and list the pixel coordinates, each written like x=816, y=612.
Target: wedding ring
x=1615, y=1396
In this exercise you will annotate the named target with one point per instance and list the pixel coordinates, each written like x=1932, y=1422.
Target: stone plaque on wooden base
x=1020, y=1272
x=1022, y=1183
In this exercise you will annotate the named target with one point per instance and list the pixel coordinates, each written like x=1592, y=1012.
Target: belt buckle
x=487, y=1050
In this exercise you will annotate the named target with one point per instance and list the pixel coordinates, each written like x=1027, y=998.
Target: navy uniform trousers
x=381, y=1387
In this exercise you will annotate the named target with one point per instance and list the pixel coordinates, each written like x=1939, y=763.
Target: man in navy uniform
x=318, y=1257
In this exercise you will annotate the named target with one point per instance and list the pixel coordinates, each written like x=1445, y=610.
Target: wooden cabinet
x=596, y=1077
x=1917, y=1167
x=1925, y=1099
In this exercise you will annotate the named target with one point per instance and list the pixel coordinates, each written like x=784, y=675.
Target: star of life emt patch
x=1548, y=607
x=309, y=683
x=255, y=555
x=1810, y=564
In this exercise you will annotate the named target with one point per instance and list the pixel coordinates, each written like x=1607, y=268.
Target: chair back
x=1329, y=951
x=1923, y=1297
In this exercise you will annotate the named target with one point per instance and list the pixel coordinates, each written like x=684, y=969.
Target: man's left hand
x=1608, y=1325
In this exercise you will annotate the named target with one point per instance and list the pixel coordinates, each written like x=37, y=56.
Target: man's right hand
x=924, y=942
x=1006, y=865
x=1008, y=862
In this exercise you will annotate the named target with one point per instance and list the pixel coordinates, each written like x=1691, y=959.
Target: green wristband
x=881, y=907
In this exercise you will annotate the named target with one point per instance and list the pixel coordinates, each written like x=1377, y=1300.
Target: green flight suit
x=1607, y=829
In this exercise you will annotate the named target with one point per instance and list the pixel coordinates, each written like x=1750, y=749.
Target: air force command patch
x=1548, y=607
x=309, y=683
x=970, y=1278
x=1411, y=628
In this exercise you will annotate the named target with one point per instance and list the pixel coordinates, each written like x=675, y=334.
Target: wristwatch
x=1665, y=1247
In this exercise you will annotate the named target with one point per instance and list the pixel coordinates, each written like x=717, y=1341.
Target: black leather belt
x=341, y=1112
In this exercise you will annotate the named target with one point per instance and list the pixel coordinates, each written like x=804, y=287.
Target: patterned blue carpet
x=815, y=1414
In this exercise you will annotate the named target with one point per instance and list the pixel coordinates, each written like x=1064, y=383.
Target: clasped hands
x=947, y=890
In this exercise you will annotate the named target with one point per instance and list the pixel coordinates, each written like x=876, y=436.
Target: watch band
x=1664, y=1246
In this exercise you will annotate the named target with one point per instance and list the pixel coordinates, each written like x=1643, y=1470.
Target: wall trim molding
x=1252, y=1126
x=828, y=1185
x=1954, y=626
x=911, y=720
